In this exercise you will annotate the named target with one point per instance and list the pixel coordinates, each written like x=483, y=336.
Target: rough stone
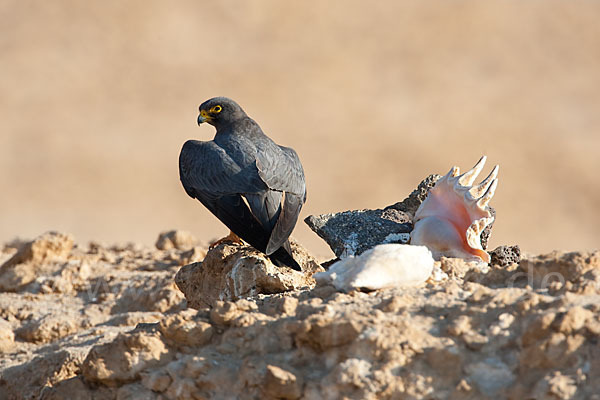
x=73, y=388
x=176, y=239
x=417, y=196
x=556, y=386
x=574, y=319
x=351, y=233
x=48, y=328
x=459, y=268
x=135, y=391
x=504, y=256
x=156, y=380
x=233, y=271
x=16, y=276
x=7, y=337
x=282, y=384
x=26, y=380
x=473, y=335
x=540, y=271
x=185, y=330
x=123, y=359
x=50, y=246
x=491, y=376
x=22, y=268
x=80, y=297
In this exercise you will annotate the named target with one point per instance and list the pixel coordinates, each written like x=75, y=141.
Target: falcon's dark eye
x=216, y=109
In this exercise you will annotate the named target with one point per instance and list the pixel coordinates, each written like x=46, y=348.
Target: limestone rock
x=156, y=380
x=50, y=246
x=232, y=271
x=183, y=329
x=383, y=266
x=562, y=267
x=157, y=293
x=75, y=298
x=176, y=239
x=7, y=337
x=16, y=276
x=48, y=328
x=282, y=384
x=491, y=376
x=123, y=359
x=23, y=266
x=459, y=268
x=26, y=380
x=73, y=388
x=473, y=335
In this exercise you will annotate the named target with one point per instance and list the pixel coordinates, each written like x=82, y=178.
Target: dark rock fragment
x=353, y=232
x=505, y=255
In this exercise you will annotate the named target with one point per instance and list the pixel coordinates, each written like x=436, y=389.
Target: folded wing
x=259, y=202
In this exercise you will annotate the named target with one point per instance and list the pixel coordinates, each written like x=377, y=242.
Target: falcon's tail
x=235, y=214
x=282, y=257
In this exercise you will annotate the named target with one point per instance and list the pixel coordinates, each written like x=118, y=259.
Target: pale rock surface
x=76, y=298
x=282, y=384
x=122, y=331
x=7, y=337
x=124, y=358
x=32, y=257
x=176, y=239
x=233, y=271
x=383, y=266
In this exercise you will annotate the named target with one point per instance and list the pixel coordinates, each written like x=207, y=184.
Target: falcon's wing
x=211, y=176
x=282, y=171
x=205, y=167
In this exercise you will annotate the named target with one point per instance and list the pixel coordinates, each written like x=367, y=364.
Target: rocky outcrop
x=71, y=299
x=23, y=267
x=176, y=239
x=108, y=322
x=232, y=271
x=455, y=339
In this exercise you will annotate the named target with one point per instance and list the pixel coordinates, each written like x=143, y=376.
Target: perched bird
x=254, y=186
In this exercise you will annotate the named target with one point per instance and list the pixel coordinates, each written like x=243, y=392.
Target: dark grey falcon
x=254, y=186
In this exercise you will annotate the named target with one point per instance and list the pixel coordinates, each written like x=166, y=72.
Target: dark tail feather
x=282, y=258
x=234, y=213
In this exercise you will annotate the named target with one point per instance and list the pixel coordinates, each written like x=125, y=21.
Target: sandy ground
x=96, y=100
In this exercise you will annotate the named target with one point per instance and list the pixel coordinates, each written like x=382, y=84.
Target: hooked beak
x=203, y=117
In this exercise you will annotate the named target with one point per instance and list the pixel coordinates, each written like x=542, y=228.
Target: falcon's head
x=220, y=111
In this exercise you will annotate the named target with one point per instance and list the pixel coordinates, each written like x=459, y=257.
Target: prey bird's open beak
x=203, y=117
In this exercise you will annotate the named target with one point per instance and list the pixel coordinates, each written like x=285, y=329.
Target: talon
x=231, y=238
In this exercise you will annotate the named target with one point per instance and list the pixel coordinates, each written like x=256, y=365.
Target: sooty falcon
x=254, y=186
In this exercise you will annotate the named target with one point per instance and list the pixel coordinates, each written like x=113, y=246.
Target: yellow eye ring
x=216, y=109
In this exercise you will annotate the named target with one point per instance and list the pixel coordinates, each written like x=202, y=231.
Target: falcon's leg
x=231, y=238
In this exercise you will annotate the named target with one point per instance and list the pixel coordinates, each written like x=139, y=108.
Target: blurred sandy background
x=96, y=99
